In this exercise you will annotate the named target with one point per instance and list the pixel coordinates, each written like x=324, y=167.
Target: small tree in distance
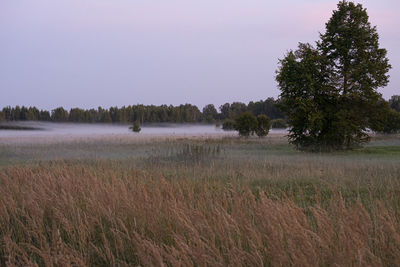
x=263, y=125
x=247, y=124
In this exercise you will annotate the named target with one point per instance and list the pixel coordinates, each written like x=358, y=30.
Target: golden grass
x=64, y=213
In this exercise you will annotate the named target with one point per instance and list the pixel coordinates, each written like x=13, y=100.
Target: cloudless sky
x=90, y=53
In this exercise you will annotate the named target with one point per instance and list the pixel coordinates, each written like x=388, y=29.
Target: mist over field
x=60, y=130
x=84, y=129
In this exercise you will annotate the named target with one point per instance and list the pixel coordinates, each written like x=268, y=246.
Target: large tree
x=329, y=93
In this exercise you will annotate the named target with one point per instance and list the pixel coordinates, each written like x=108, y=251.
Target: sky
x=90, y=53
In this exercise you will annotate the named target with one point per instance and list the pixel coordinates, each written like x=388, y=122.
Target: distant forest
x=144, y=113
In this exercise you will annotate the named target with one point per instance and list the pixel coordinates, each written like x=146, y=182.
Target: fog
x=84, y=129
x=49, y=129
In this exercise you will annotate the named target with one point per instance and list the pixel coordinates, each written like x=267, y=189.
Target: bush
x=136, y=127
x=246, y=124
x=228, y=125
x=279, y=124
x=263, y=125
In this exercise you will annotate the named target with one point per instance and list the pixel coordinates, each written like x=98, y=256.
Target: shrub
x=246, y=124
x=136, y=127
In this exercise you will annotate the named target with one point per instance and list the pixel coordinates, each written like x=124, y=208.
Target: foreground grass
x=200, y=202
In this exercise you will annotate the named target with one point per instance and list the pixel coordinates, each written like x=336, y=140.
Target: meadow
x=197, y=201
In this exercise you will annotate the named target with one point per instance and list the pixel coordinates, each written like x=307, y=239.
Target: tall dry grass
x=60, y=214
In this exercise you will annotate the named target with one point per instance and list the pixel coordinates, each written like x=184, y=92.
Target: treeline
x=144, y=113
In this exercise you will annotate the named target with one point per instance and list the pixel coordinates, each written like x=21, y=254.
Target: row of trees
x=144, y=114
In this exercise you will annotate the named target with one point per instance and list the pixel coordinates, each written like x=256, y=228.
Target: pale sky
x=90, y=53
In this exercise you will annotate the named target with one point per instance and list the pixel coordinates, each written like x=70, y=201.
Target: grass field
x=220, y=201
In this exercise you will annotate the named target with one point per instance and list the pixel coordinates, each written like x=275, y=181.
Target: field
x=197, y=201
